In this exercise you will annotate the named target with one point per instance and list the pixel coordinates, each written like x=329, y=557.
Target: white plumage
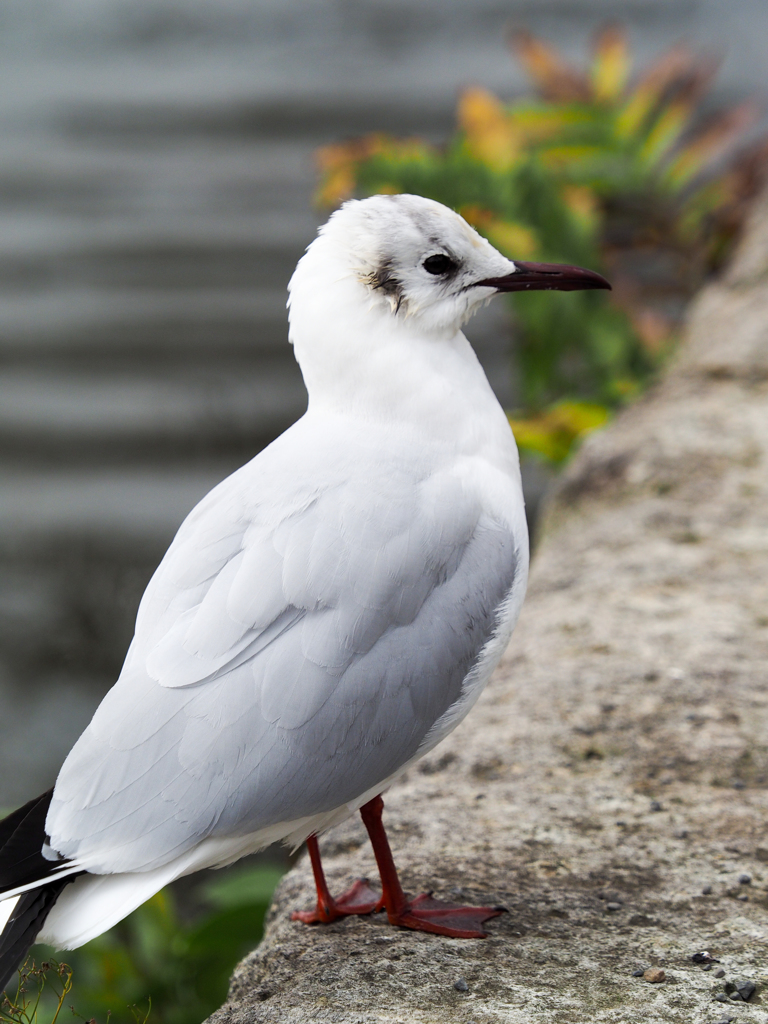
x=330, y=611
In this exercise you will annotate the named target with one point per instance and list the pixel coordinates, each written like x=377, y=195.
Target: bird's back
x=314, y=618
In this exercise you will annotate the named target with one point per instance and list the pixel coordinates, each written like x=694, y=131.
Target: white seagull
x=323, y=618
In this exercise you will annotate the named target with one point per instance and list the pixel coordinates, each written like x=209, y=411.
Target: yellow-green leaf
x=583, y=205
x=556, y=157
x=668, y=128
x=539, y=123
x=515, y=240
x=553, y=433
x=611, y=66
x=490, y=134
x=710, y=144
x=648, y=92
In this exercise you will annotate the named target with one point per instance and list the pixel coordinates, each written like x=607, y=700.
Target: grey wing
x=281, y=669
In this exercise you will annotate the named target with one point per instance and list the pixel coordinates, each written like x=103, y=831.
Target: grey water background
x=156, y=176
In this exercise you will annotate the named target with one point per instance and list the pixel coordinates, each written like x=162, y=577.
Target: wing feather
x=287, y=661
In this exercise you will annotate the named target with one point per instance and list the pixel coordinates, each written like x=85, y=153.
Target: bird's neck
x=360, y=360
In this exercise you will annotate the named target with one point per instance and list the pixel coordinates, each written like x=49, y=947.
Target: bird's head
x=422, y=263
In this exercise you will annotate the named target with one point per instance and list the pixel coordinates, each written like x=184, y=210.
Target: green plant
x=552, y=433
x=40, y=994
x=153, y=966
x=593, y=171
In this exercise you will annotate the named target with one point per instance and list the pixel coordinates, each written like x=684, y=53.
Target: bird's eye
x=439, y=264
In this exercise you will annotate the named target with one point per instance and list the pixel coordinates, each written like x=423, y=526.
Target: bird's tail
x=22, y=865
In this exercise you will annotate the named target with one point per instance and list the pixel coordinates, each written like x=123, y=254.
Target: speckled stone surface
x=611, y=786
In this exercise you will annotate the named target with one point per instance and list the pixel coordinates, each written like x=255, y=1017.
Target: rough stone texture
x=611, y=787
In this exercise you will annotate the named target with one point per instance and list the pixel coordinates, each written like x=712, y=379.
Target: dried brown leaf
x=554, y=77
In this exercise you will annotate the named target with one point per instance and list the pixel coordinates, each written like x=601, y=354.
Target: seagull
x=323, y=618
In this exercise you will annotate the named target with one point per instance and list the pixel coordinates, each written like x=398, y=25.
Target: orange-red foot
x=358, y=899
x=425, y=914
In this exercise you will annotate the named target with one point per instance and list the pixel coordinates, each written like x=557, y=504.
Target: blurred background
x=157, y=173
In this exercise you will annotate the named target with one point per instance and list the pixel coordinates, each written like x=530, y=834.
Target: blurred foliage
x=553, y=432
x=154, y=967
x=599, y=170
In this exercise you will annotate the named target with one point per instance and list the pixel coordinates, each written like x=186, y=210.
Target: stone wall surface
x=611, y=787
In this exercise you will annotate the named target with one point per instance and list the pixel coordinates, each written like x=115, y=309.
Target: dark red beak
x=559, y=277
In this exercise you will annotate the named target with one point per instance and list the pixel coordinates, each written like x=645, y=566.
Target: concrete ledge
x=611, y=787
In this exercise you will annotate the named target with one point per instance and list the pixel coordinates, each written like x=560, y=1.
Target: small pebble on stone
x=736, y=997
x=743, y=897
x=720, y=972
x=613, y=906
x=707, y=967
x=707, y=890
x=739, y=784
x=723, y=1020
x=656, y=806
x=745, y=879
x=460, y=985
x=656, y=975
x=638, y=973
x=721, y=997
x=704, y=957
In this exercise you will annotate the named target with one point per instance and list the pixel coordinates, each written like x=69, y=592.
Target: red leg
x=359, y=899
x=421, y=913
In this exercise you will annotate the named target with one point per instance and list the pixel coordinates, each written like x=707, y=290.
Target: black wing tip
x=24, y=924
x=34, y=809
x=22, y=837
